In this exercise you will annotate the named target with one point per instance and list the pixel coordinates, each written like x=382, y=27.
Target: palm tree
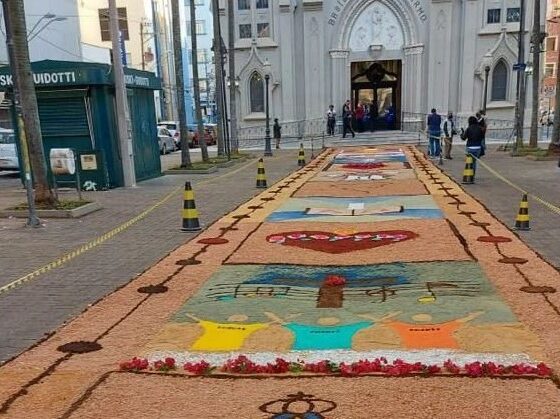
x=16, y=38
x=180, y=81
x=196, y=83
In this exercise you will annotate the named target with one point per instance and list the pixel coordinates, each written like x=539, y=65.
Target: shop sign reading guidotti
x=62, y=77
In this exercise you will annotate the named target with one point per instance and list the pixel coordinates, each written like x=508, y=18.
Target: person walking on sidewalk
x=474, y=137
x=434, y=133
x=277, y=132
x=331, y=120
x=347, y=120
x=448, y=132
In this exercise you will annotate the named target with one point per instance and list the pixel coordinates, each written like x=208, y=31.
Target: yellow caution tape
x=110, y=234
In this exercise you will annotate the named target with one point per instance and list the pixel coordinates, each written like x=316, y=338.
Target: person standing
x=331, y=120
x=434, y=133
x=360, y=117
x=481, y=120
x=277, y=132
x=347, y=120
x=448, y=132
x=474, y=137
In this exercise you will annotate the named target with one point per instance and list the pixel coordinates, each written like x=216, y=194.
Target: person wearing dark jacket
x=277, y=129
x=475, y=139
x=434, y=133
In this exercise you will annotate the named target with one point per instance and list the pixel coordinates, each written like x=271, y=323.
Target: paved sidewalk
x=44, y=303
x=540, y=178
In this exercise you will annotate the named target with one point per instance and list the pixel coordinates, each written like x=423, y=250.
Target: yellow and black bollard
x=261, y=176
x=301, y=156
x=190, y=214
x=522, y=219
x=468, y=173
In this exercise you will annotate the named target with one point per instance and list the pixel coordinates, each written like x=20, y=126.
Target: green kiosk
x=77, y=110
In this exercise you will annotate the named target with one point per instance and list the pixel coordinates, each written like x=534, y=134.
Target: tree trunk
x=218, y=71
x=23, y=83
x=232, y=100
x=180, y=80
x=536, y=38
x=196, y=84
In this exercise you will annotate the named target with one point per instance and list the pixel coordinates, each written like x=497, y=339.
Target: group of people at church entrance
x=362, y=118
x=438, y=131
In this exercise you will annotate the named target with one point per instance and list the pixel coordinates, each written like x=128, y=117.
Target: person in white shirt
x=331, y=120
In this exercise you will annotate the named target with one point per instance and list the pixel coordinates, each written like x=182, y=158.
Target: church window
x=549, y=69
x=499, y=81
x=263, y=30
x=513, y=14
x=243, y=4
x=494, y=15
x=262, y=4
x=245, y=31
x=256, y=88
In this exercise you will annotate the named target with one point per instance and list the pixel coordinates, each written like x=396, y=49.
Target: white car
x=8, y=151
x=173, y=128
x=165, y=141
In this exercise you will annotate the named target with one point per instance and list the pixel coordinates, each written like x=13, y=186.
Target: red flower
x=335, y=280
x=451, y=367
x=543, y=370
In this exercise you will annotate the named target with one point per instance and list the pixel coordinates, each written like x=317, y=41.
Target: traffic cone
x=301, y=156
x=261, y=177
x=190, y=214
x=468, y=173
x=522, y=219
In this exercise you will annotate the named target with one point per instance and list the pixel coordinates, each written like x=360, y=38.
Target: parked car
x=173, y=128
x=210, y=139
x=165, y=141
x=8, y=151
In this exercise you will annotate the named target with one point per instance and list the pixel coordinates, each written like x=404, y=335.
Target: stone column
x=287, y=74
x=340, y=79
x=413, y=79
x=315, y=58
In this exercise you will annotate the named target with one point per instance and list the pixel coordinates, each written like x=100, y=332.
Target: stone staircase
x=377, y=138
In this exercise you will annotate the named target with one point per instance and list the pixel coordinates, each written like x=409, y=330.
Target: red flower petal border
x=242, y=365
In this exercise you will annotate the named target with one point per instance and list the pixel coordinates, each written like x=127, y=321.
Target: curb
x=73, y=213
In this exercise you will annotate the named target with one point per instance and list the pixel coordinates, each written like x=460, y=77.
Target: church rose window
x=499, y=81
x=256, y=87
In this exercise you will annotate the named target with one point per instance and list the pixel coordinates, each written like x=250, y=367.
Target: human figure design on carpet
x=230, y=336
x=424, y=335
x=328, y=334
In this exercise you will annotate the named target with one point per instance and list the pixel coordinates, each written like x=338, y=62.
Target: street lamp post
x=267, y=146
x=486, y=72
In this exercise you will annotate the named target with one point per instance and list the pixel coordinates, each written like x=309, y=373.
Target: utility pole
x=26, y=101
x=218, y=71
x=142, y=46
x=232, y=100
x=536, y=40
x=520, y=99
x=196, y=83
x=123, y=116
x=180, y=80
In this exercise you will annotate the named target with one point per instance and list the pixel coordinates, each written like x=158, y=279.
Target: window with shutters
x=104, y=23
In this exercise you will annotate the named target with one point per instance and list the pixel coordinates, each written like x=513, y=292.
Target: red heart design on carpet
x=322, y=241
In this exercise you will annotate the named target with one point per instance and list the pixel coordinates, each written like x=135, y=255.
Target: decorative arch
x=401, y=16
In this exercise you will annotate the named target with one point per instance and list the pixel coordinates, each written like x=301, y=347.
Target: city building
x=408, y=55
x=53, y=31
x=552, y=57
x=205, y=36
